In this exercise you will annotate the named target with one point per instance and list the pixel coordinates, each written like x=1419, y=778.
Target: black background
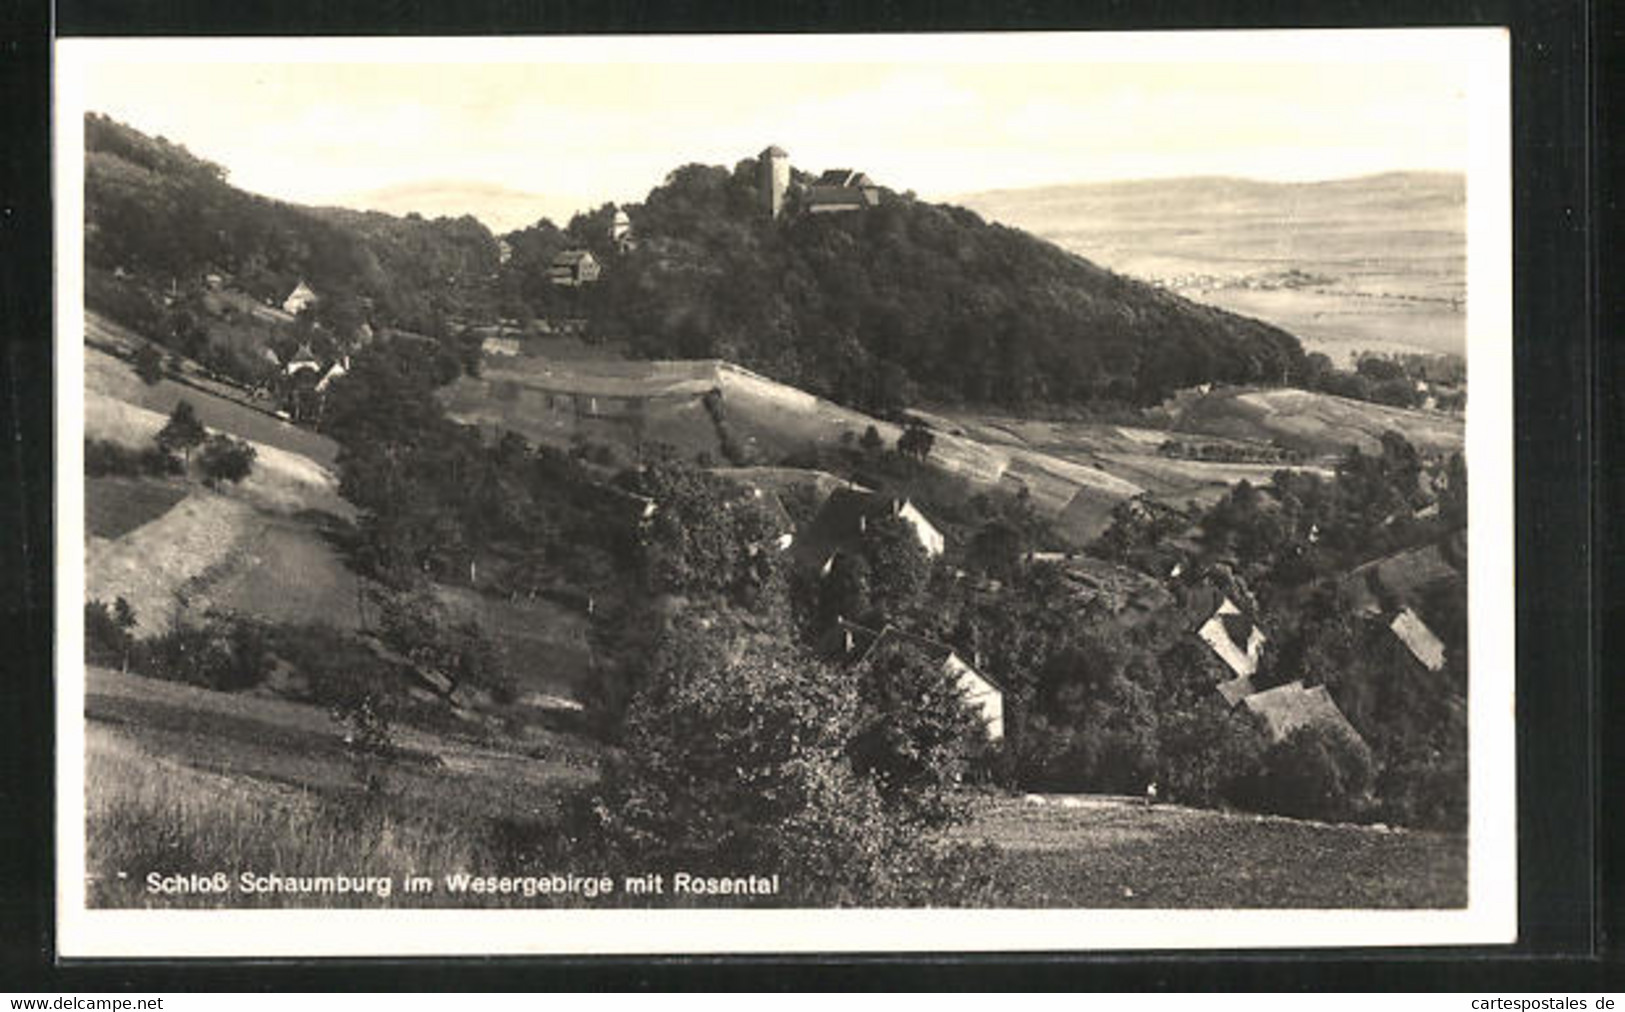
x=1569, y=615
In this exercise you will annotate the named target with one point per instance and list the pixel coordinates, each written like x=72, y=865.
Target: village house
x=302, y=297
x=574, y=267
x=850, y=643
x=844, y=519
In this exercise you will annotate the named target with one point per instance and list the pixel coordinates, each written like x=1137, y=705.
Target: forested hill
x=906, y=300
x=875, y=308
x=163, y=216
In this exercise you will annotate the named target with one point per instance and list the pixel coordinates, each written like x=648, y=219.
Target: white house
x=301, y=296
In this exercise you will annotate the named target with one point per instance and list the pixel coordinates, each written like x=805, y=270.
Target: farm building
x=848, y=642
x=1288, y=707
x=841, y=190
x=573, y=267
x=844, y=518
x=302, y=297
x=1427, y=648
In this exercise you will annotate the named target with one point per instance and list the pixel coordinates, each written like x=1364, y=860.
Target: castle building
x=773, y=166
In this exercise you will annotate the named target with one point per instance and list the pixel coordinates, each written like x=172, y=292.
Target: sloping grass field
x=111, y=376
x=182, y=779
x=116, y=506
x=1316, y=423
x=1116, y=853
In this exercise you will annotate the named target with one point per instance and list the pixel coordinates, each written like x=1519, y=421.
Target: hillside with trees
x=907, y=301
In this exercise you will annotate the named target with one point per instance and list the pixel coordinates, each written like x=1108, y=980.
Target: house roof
x=1288, y=707
x=774, y=151
x=1427, y=648
x=572, y=257
x=846, y=641
x=843, y=177
x=938, y=653
x=821, y=194
x=839, y=523
x=1236, y=689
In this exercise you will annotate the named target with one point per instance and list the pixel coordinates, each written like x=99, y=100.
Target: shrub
x=149, y=364
x=1316, y=773
x=1209, y=755
x=182, y=432
x=1426, y=786
x=226, y=459
x=215, y=654
x=108, y=637
x=915, y=735
x=104, y=458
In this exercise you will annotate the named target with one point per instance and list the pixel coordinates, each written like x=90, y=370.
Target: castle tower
x=773, y=166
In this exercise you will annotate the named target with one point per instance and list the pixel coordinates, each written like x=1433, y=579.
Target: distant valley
x=1376, y=263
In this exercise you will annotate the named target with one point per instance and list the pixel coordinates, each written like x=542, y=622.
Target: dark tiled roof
x=838, y=524
x=930, y=649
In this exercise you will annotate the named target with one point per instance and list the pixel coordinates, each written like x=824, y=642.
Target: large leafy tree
x=737, y=757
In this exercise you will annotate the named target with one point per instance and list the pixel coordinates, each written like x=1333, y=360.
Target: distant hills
x=500, y=208
x=1381, y=258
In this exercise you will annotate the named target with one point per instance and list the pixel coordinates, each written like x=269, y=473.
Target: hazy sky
x=578, y=122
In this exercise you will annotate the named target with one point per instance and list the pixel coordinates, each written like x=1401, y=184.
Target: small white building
x=301, y=297
x=1427, y=648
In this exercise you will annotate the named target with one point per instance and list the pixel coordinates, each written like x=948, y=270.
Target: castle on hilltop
x=835, y=190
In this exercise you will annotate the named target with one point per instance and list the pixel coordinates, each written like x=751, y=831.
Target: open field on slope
x=1315, y=423
x=116, y=506
x=112, y=376
x=1102, y=852
x=282, y=480
x=631, y=403
x=151, y=566
x=182, y=779
x=544, y=645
